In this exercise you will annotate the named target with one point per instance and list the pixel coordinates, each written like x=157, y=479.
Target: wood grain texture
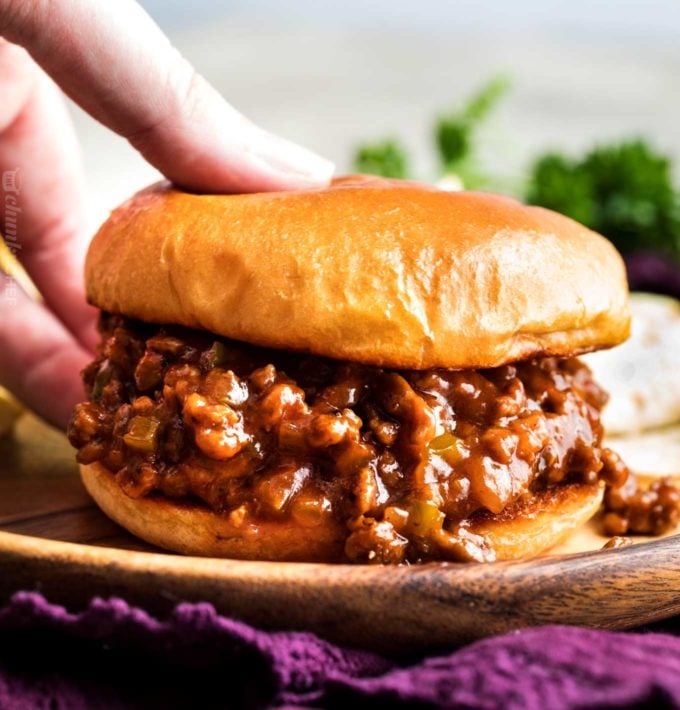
x=52, y=538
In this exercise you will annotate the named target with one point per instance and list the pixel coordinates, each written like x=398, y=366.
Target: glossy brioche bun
x=523, y=530
x=193, y=529
x=386, y=272
x=528, y=528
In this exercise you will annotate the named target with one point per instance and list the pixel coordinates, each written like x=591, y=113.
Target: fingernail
x=292, y=159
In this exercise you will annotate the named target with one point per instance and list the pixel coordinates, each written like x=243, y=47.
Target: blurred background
x=332, y=75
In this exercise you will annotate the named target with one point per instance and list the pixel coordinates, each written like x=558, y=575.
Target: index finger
x=114, y=61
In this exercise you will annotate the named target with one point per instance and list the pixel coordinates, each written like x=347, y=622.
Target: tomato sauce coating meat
x=402, y=459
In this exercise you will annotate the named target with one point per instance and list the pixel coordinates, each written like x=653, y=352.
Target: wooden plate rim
x=635, y=556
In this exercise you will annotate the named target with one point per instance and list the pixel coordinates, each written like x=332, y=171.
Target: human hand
x=115, y=63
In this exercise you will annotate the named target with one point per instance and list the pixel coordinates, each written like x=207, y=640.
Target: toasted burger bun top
x=524, y=530
x=386, y=272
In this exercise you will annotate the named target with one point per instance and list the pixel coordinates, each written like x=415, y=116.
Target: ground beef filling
x=403, y=460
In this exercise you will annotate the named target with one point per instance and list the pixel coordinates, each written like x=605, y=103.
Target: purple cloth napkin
x=114, y=655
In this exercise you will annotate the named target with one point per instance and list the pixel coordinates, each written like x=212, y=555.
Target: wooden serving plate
x=54, y=539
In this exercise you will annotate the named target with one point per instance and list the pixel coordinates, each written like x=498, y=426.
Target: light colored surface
x=328, y=78
x=640, y=17
x=652, y=454
x=641, y=376
x=10, y=410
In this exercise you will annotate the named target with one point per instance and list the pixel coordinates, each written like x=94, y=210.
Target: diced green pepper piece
x=220, y=355
x=142, y=434
x=425, y=518
x=449, y=447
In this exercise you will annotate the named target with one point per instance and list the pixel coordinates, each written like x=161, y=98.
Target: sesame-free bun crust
x=523, y=530
x=385, y=272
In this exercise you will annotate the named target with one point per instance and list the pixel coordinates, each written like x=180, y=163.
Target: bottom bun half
x=523, y=530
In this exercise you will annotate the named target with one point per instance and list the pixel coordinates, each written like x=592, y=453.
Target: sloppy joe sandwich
x=377, y=371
